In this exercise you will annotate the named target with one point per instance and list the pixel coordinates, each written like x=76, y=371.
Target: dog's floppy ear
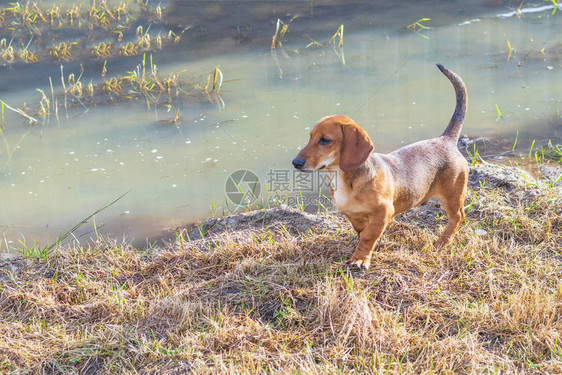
x=355, y=148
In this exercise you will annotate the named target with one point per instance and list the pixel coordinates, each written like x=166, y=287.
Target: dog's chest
x=340, y=198
x=343, y=196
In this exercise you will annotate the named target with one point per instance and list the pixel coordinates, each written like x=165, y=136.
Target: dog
x=371, y=188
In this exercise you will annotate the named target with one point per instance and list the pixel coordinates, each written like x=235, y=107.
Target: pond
x=172, y=155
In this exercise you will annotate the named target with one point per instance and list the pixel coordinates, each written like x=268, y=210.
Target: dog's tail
x=453, y=130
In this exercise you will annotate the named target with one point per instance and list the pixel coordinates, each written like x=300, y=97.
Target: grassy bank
x=273, y=295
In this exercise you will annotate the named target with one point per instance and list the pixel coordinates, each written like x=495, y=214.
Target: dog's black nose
x=299, y=163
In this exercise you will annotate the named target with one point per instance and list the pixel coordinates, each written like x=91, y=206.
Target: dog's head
x=335, y=142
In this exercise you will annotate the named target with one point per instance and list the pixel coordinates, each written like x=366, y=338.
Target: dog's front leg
x=368, y=236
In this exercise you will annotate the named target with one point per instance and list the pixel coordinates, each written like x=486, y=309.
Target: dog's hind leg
x=452, y=201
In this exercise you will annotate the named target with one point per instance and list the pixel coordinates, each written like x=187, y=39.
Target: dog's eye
x=324, y=141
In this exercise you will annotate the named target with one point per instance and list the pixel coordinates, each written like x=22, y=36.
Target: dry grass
x=272, y=301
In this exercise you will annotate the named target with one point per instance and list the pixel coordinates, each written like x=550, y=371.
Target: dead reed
x=109, y=25
x=144, y=83
x=281, y=29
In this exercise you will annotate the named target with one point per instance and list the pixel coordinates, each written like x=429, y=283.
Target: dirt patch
x=499, y=176
x=274, y=219
x=510, y=179
x=11, y=266
x=552, y=174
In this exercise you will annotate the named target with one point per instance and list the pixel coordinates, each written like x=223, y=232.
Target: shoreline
x=496, y=174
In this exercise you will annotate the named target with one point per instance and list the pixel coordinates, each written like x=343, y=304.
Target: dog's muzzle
x=299, y=163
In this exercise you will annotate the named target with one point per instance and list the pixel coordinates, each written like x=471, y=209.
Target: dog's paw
x=441, y=242
x=360, y=264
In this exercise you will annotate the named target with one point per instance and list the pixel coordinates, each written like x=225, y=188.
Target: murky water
x=55, y=174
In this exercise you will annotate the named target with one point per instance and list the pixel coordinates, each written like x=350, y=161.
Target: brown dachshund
x=371, y=188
